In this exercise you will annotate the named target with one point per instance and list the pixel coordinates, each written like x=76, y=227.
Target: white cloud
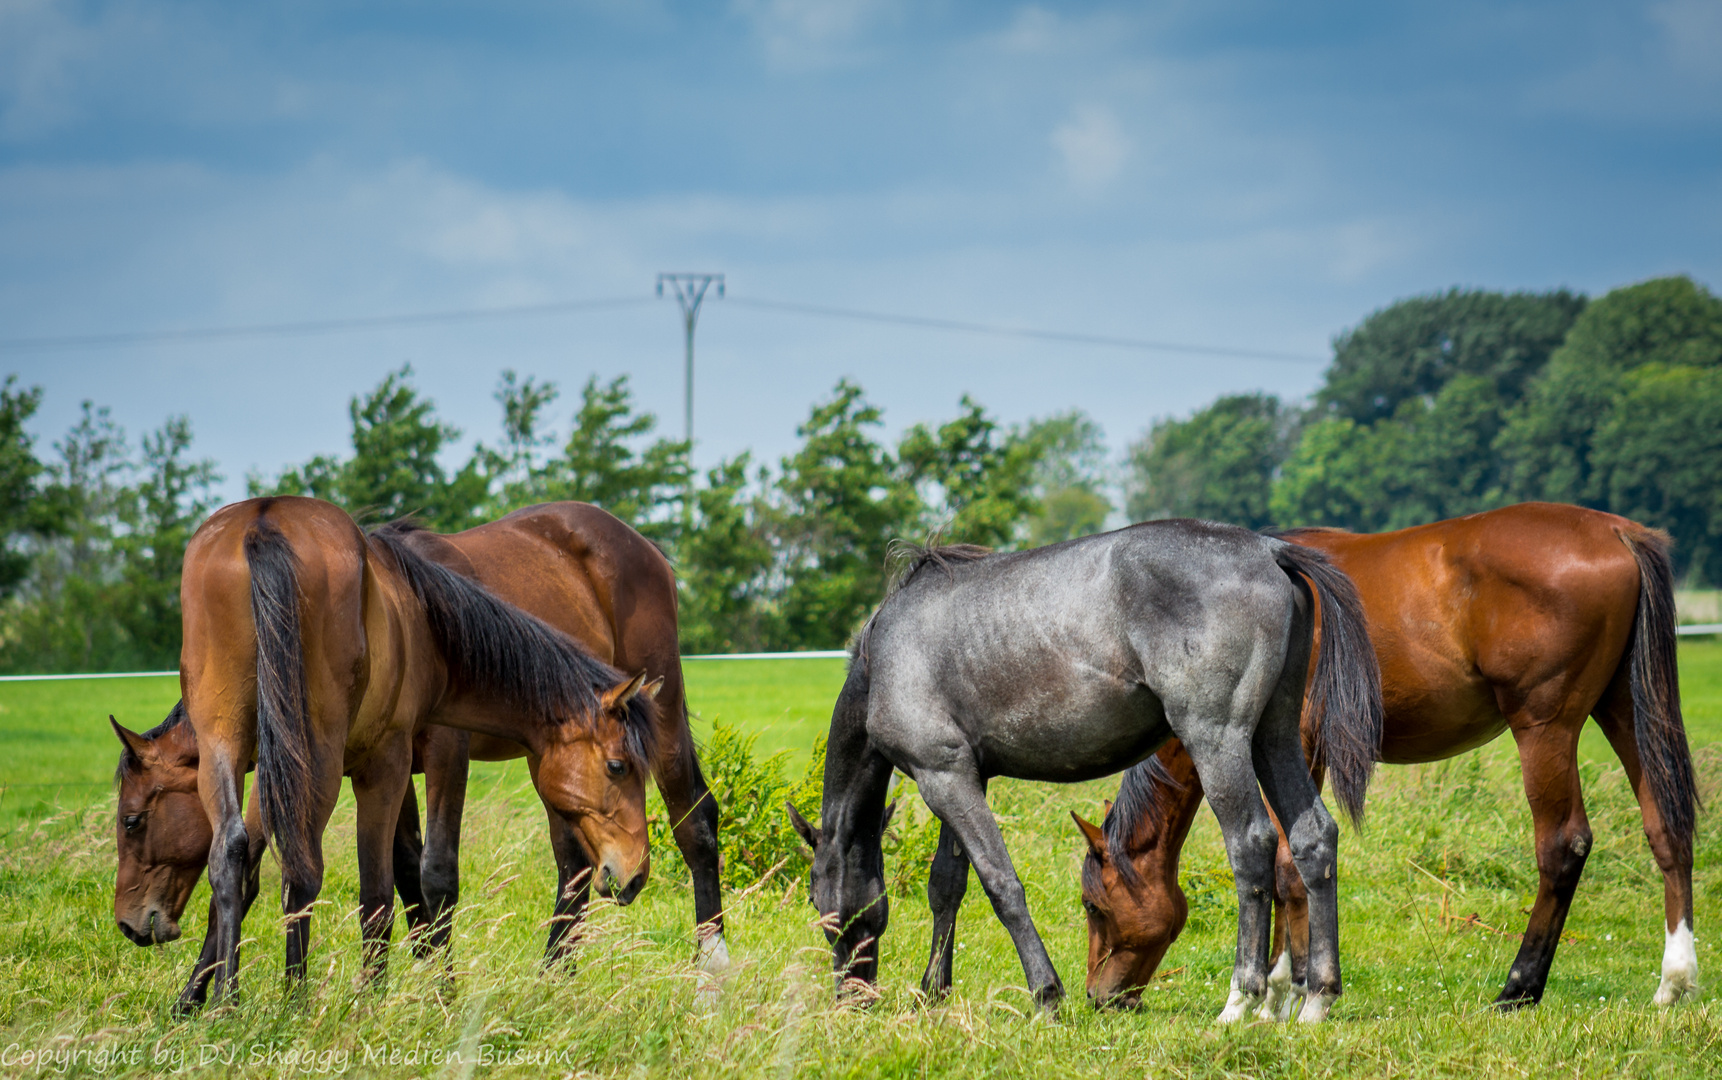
x=1693, y=34
x=813, y=33
x=1092, y=148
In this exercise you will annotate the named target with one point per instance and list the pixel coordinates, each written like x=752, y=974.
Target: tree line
x=1434, y=406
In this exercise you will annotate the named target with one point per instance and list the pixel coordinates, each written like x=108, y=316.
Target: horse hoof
x=1679, y=967
x=1280, y=1000
x=713, y=956
x=1315, y=1008
x=1238, y=1006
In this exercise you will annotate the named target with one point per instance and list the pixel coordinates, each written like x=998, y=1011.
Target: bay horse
x=1072, y=661
x=1525, y=619
x=571, y=564
x=316, y=650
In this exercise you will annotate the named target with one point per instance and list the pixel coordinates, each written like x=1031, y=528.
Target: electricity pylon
x=690, y=293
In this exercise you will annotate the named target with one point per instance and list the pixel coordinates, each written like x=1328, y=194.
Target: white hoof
x=1238, y=1006
x=713, y=958
x=1277, y=1006
x=1315, y=1007
x=1679, y=967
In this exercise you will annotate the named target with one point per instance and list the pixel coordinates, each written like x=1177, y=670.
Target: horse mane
x=493, y=647
x=175, y=717
x=1294, y=531
x=913, y=558
x=1138, y=802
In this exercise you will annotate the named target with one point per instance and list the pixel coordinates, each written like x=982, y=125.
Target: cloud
x=1692, y=30
x=813, y=33
x=1092, y=148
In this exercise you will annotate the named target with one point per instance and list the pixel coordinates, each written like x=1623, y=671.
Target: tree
x=842, y=503
x=976, y=483
x=1217, y=464
x=24, y=513
x=1547, y=443
x=726, y=560
x=1411, y=348
x=160, y=514
x=1658, y=458
x=1068, y=478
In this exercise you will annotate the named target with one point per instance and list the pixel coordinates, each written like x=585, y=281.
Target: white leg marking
x=1315, y=1008
x=1276, y=1006
x=1238, y=1006
x=1679, y=966
x=714, y=955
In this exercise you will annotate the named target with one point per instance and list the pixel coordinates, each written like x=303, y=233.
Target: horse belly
x=1082, y=740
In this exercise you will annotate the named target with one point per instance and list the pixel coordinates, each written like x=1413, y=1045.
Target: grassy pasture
x=1431, y=898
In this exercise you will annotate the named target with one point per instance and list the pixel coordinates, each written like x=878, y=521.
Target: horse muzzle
x=157, y=929
x=611, y=884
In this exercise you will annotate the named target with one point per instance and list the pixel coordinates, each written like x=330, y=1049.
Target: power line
x=315, y=326
x=331, y=326
x=1025, y=332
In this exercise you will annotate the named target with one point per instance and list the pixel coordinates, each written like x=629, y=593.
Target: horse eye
x=617, y=768
x=132, y=822
x=1092, y=908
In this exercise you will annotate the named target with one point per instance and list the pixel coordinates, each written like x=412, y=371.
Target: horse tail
x=1343, y=705
x=284, y=755
x=1657, y=725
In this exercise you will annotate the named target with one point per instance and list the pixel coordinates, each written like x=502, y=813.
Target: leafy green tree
x=160, y=514
x=1217, y=464
x=725, y=565
x=1657, y=458
x=394, y=471
x=1547, y=443
x=976, y=482
x=1411, y=348
x=842, y=503
x=1069, y=478
x=25, y=513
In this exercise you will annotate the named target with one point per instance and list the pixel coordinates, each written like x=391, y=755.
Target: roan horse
x=316, y=650
x=1073, y=661
x=1528, y=619
x=570, y=564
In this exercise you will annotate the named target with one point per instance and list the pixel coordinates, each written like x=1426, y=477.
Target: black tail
x=284, y=755
x=492, y=647
x=1656, y=720
x=1344, y=701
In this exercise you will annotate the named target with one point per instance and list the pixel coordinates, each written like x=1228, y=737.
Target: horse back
x=1469, y=615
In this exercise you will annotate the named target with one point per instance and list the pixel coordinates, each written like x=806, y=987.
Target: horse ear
x=885, y=822
x=809, y=831
x=1105, y=809
x=1091, y=833
x=651, y=689
x=622, y=693
x=137, y=747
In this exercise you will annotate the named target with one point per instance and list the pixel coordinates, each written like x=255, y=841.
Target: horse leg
x=409, y=850
x=573, y=889
x=196, y=990
x=1312, y=841
x=1548, y=759
x=379, y=790
x=221, y=777
x=694, y=813
x=1673, y=857
x=946, y=884
x=447, y=763
x=1288, y=978
x=959, y=798
x=1222, y=757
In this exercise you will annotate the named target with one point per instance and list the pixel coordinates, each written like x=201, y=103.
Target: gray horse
x=1075, y=661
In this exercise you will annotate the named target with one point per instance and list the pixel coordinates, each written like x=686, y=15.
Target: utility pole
x=690, y=292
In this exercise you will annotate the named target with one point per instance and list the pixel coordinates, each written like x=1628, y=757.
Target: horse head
x=591, y=773
x=1133, y=917
x=847, y=888
x=162, y=833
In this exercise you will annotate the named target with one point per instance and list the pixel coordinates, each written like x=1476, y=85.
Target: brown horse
x=571, y=564
x=1529, y=619
x=315, y=651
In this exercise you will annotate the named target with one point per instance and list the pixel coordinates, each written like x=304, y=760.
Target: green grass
x=68, y=980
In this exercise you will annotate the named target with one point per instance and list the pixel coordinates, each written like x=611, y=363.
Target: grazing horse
x=1529, y=619
x=315, y=651
x=1073, y=661
x=571, y=564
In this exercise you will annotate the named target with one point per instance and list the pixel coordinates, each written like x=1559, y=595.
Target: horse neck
x=856, y=775
x=1156, y=841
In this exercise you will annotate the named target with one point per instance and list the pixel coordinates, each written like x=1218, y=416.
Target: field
x=1431, y=900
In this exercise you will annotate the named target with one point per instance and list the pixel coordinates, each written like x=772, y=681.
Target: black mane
x=493, y=647
x=1138, y=801
x=915, y=557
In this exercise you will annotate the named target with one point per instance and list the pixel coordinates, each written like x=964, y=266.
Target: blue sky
x=1250, y=175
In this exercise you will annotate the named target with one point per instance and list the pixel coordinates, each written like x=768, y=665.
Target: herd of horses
x=1202, y=659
